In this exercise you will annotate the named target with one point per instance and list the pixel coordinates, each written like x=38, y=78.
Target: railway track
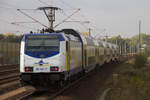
x=4, y=67
x=28, y=92
x=8, y=73
x=9, y=79
x=48, y=95
x=18, y=93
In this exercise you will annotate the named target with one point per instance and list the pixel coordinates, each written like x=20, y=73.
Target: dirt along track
x=18, y=93
x=89, y=87
x=9, y=79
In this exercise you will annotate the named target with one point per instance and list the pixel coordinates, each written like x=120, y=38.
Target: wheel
x=61, y=83
x=22, y=83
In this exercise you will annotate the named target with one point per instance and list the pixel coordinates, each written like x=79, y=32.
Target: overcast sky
x=116, y=17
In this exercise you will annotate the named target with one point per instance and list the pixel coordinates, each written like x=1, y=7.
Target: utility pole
x=90, y=31
x=120, y=48
x=116, y=41
x=106, y=37
x=140, y=35
x=125, y=47
x=50, y=14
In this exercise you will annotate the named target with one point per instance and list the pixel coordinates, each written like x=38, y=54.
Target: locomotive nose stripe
x=45, y=54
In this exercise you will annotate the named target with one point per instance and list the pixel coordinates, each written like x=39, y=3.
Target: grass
x=140, y=60
x=133, y=83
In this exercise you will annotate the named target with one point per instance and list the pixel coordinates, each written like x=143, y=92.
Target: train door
x=67, y=61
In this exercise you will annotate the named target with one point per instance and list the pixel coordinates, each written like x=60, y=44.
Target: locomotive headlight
x=28, y=69
x=54, y=68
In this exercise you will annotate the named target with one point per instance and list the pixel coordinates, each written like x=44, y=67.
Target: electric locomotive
x=49, y=58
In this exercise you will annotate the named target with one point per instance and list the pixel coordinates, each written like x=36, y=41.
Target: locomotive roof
x=42, y=34
x=75, y=35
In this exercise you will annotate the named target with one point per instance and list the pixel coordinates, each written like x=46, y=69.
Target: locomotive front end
x=42, y=58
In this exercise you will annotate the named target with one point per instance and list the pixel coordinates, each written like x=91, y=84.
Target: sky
x=106, y=17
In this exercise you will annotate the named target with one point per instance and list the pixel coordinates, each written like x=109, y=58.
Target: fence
x=9, y=53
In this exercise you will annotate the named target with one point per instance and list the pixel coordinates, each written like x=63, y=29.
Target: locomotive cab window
x=42, y=43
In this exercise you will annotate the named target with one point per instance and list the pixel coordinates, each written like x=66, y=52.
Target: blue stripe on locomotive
x=61, y=38
x=46, y=54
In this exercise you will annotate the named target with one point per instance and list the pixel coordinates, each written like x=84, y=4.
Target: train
x=58, y=57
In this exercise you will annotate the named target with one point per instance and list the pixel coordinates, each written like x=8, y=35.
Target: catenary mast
x=50, y=14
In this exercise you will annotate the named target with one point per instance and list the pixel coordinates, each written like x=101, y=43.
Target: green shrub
x=140, y=60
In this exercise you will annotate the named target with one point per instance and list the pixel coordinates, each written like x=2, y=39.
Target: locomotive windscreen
x=42, y=43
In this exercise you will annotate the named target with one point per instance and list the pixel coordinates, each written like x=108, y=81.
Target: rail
x=51, y=96
x=9, y=74
x=24, y=94
x=18, y=93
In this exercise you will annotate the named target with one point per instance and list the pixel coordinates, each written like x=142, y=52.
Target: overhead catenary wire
x=12, y=7
x=95, y=28
x=32, y=18
x=76, y=21
x=68, y=5
x=17, y=24
x=80, y=22
x=9, y=5
x=28, y=9
x=8, y=8
x=63, y=12
x=23, y=26
x=43, y=2
x=22, y=22
x=20, y=10
x=67, y=18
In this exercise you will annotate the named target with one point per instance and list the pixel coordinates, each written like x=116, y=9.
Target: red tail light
x=28, y=69
x=54, y=68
